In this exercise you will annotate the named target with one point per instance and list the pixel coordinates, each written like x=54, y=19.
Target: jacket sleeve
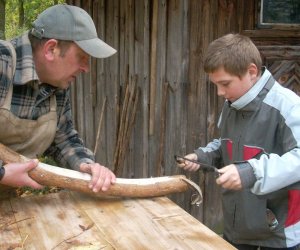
x=211, y=154
x=274, y=171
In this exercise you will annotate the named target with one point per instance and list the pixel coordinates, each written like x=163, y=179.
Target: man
x=36, y=70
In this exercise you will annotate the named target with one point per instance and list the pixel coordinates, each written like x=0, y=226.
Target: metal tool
x=203, y=166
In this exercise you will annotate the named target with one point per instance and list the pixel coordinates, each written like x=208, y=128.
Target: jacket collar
x=247, y=98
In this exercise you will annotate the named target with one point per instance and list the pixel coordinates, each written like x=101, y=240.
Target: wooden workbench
x=68, y=220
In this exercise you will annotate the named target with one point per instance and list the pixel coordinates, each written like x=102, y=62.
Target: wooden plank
x=54, y=221
x=153, y=61
x=138, y=160
x=111, y=73
x=148, y=224
x=9, y=234
x=69, y=220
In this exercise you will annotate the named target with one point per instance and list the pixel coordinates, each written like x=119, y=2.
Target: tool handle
x=203, y=166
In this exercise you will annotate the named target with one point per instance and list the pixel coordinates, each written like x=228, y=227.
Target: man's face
x=65, y=68
x=231, y=87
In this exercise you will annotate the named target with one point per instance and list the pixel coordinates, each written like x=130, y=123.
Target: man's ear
x=253, y=71
x=50, y=49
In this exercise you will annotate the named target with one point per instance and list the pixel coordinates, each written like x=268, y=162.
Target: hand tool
x=203, y=166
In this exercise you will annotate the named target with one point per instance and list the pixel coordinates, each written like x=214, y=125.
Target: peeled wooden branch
x=49, y=175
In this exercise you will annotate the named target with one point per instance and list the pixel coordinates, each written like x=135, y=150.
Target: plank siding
x=161, y=43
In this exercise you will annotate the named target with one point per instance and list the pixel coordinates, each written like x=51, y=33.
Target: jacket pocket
x=245, y=216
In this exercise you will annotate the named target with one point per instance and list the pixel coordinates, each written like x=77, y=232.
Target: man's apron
x=28, y=137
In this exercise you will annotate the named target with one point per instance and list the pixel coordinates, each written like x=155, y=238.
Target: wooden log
x=49, y=175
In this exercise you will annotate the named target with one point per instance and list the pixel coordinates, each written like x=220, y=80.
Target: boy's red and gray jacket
x=260, y=132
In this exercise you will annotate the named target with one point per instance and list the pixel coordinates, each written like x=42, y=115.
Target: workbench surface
x=69, y=220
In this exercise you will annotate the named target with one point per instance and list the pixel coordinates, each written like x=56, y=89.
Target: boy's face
x=230, y=86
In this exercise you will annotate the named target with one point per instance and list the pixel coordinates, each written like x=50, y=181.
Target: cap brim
x=96, y=48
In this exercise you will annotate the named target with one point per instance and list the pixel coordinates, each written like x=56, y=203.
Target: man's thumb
x=32, y=164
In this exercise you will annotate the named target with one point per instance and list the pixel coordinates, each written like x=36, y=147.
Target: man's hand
x=229, y=178
x=102, y=177
x=16, y=175
x=187, y=165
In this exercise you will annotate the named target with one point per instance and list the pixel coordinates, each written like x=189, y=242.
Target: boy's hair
x=233, y=52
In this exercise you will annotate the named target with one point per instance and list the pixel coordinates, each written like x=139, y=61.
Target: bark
x=2, y=19
x=21, y=13
x=49, y=175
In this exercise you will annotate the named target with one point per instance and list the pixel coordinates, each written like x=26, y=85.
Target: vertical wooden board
x=224, y=12
x=78, y=106
x=77, y=95
x=176, y=118
x=197, y=90
x=127, y=67
x=249, y=14
x=93, y=70
x=145, y=82
x=174, y=78
x=157, y=141
x=99, y=95
x=184, y=65
x=89, y=130
x=38, y=219
x=101, y=154
x=123, y=49
x=88, y=94
x=112, y=78
x=128, y=169
x=9, y=233
x=177, y=61
x=138, y=148
x=158, y=41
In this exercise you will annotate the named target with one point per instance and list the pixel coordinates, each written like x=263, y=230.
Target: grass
x=25, y=191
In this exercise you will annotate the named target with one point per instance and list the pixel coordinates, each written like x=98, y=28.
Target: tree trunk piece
x=49, y=175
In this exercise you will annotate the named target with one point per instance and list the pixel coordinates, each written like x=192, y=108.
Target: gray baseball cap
x=71, y=23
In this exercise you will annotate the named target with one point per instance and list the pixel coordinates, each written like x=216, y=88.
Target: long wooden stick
x=49, y=175
x=99, y=127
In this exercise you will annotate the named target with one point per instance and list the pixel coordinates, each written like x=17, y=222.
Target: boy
x=258, y=153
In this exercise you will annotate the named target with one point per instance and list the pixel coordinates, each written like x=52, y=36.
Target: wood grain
x=69, y=220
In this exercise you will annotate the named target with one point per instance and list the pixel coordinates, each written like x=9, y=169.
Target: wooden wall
x=152, y=99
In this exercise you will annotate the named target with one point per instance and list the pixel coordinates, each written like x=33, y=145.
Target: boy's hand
x=229, y=178
x=102, y=177
x=187, y=165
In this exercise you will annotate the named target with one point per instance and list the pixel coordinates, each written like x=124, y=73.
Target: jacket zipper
x=233, y=221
